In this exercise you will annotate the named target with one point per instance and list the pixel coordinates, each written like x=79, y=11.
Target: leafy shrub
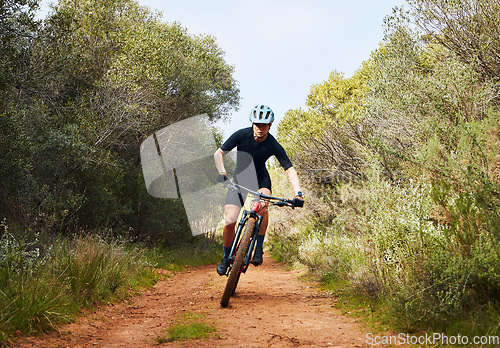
x=92, y=269
x=419, y=227
x=40, y=290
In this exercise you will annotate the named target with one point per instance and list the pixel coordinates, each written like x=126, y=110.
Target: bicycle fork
x=246, y=261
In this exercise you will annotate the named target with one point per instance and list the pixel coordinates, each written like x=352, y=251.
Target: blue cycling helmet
x=261, y=114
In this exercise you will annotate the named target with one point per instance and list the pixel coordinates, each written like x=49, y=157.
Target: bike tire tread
x=234, y=275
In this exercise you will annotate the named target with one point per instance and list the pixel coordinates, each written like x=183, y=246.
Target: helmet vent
x=261, y=114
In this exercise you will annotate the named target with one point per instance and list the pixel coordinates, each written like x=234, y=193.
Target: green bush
x=416, y=223
x=43, y=285
x=41, y=289
x=383, y=244
x=91, y=268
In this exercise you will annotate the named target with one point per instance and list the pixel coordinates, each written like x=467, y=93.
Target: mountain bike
x=245, y=237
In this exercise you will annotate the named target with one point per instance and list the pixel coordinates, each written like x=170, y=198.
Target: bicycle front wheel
x=234, y=274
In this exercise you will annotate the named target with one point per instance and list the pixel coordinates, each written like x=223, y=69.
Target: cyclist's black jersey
x=244, y=141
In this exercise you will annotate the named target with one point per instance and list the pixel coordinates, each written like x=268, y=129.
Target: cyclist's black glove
x=222, y=177
x=297, y=202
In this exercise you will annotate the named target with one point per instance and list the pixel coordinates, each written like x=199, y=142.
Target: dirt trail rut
x=271, y=308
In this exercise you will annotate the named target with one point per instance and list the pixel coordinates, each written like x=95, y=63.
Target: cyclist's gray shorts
x=236, y=198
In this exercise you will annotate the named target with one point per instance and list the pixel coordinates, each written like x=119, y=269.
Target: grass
x=42, y=289
x=371, y=311
x=189, y=327
x=389, y=264
x=202, y=252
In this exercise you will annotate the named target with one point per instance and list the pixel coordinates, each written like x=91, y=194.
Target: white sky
x=280, y=48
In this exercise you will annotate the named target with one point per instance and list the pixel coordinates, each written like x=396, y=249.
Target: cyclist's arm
x=228, y=145
x=219, y=161
x=294, y=179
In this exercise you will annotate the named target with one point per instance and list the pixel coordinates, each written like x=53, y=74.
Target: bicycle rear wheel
x=234, y=274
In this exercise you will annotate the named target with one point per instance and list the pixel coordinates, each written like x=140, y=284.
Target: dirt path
x=271, y=308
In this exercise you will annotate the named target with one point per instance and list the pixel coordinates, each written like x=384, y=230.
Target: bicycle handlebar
x=281, y=202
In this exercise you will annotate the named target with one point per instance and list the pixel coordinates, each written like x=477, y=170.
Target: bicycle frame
x=246, y=239
x=246, y=215
x=252, y=213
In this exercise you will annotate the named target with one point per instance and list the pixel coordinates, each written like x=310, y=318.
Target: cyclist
x=261, y=145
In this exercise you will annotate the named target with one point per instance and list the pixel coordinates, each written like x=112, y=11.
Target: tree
x=17, y=32
x=324, y=140
x=93, y=80
x=339, y=97
x=17, y=27
x=468, y=28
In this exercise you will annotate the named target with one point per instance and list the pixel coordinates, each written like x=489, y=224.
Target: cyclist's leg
x=265, y=188
x=231, y=213
x=264, y=211
x=257, y=257
x=234, y=203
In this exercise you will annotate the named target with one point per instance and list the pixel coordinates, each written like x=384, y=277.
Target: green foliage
x=199, y=251
x=17, y=24
x=379, y=243
x=415, y=224
x=326, y=141
x=189, y=327
x=332, y=103
x=465, y=186
x=43, y=285
x=92, y=269
x=338, y=97
x=79, y=90
x=468, y=28
x=298, y=126
x=164, y=62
